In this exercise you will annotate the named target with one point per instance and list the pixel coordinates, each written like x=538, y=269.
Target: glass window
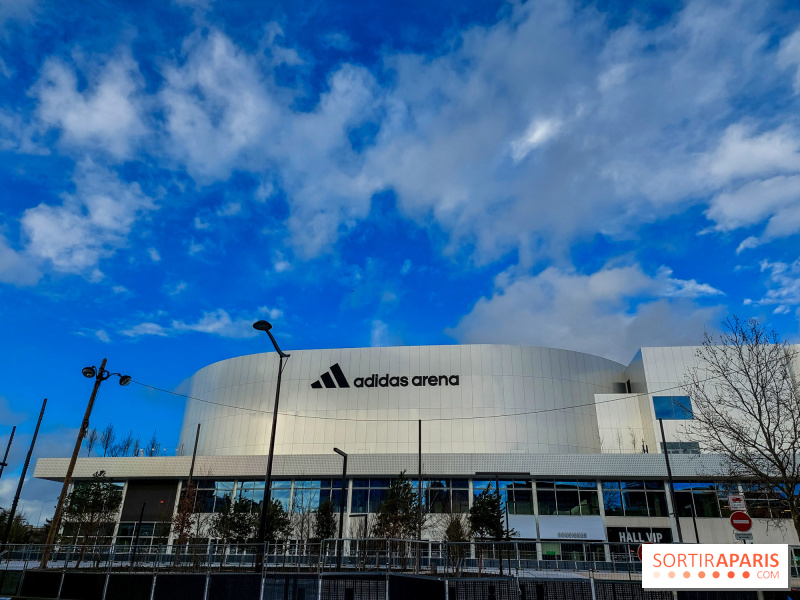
x=568, y=502
x=589, y=503
x=460, y=501
x=204, y=501
x=635, y=503
x=612, y=501
x=360, y=501
x=282, y=496
x=684, y=503
x=657, y=504
x=705, y=504
x=633, y=485
x=547, y=502
x=672, y=407
x=545, y=484
x=460, y=484
x=437, y=497
x=520, y=502
x=609, y=485
x=376, y=498
x=551, y=551
x=566, y=485
x=587, y=485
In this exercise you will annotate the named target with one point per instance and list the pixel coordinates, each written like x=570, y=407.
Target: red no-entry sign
x=741, y=521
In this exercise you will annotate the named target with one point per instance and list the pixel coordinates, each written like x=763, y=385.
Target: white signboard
x=524, y=525
x=554, y=527
x=715, y=567
x=736, y=502
x=744, y=535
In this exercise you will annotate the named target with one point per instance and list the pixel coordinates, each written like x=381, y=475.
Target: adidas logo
x=326, y=379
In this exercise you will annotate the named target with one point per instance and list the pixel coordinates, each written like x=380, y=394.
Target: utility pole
x=419, y=493
x=136, y=539
x=100, y=376
x=671, y=484
x=191, y=474
x=5, y=457
x=22, y=479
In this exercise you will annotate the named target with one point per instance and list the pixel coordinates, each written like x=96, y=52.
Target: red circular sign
x=741, y=521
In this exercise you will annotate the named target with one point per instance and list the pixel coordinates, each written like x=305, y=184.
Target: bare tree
x=137, y=445
x=107, y=438
x=746, y=408
x=153, y=447
x=91, y=441
x=126, y=444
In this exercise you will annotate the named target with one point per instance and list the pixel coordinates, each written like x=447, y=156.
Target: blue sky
x=582, y=175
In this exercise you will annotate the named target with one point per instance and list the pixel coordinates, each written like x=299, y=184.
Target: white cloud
x=264, y=191
x=102, y=335
x=775, y=200
x=17, y=267
x=406, y=268
x=143, y=329
x=783, y=284
x=154, y=255
x=789, y=57
x=381, y=336
x=270, y=313
x=218, y=322
x=539, y=132
x=742, y=153
x=214, y=322
x=627, y=125
x=107, y=115
x=19, y=10
x=176, y=289
x=608, y=312
x=90, y=224
x=229, y=209
x=200, y=224
x=280, y=264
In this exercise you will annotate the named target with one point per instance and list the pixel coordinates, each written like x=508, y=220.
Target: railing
x=512, y=558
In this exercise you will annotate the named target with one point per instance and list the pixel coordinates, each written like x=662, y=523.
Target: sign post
x=736, y=503
x=741, y=521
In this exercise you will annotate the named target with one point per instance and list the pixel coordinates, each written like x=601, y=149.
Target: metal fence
x=512, y=558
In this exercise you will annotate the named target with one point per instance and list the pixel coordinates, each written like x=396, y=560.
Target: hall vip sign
x=715, y=567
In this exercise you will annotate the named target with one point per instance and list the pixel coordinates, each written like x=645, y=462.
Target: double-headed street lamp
x=342, y=500
x=262, y=525
x=99, y=375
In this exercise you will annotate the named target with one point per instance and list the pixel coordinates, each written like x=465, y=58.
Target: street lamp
x=262, y=525
x=99, y=375
x=342, y=498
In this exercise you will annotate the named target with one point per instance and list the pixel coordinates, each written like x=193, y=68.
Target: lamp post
x=342, y=499
x=262, y=525
x=99, y=375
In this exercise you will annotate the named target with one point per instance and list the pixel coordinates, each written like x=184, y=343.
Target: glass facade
x=446, y=495
x=707, y=498
x=516, y=494
x=368, y=495
x=672, y=407
x=634, y=498
x=557, y=497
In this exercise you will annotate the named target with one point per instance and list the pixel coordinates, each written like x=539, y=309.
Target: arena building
x=573, y=440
